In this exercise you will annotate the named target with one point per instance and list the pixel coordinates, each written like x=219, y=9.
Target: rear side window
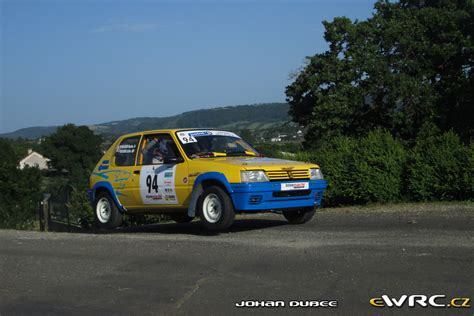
x=155, y=148
x=126, y=151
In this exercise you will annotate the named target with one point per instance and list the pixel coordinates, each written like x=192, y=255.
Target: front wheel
x=299, y=216
x=216, y=209
x=107, y=214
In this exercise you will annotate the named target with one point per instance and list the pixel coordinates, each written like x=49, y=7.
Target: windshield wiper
x=241, y=153
x=209, y=154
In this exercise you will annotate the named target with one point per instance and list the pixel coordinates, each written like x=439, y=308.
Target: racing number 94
x=152, y=183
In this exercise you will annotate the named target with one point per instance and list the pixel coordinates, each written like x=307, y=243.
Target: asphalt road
x=349, y=255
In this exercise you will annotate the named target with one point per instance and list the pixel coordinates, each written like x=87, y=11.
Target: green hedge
x=379, y=168
x=440, y=168
x=337, y=163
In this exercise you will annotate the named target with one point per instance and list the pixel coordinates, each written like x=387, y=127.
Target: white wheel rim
x=212, y=208
x=103, y=210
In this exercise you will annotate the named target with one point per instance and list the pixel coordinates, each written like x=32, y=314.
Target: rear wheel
x=299, y=216
x=216, y=209
x=107, y=214
x=181, y=218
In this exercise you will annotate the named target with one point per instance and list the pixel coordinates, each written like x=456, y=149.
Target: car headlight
x=253, y=176
x=315, y=174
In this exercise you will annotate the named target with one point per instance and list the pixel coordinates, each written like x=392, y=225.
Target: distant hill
x=257, y=117
x=31, y=132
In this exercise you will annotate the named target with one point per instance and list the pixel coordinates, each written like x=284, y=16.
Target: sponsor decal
x=419, y=300
x=199, y=134
x=169, y=174
x=154, y=197
x=294, y=186
x=170, y=197
x=291, y=304
x=126, y=148
x=190, y=136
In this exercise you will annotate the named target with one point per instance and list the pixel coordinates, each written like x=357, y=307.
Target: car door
x=125, y=175
x=163, y=173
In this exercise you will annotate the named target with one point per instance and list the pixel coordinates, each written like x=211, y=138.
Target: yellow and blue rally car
x=208, y=173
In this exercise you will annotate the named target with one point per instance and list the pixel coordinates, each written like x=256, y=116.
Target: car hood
x=264, y=163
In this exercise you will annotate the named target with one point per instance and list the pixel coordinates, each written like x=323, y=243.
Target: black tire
x=181, y=218
x=299, y=216
x=224, y=213
x=114, y=219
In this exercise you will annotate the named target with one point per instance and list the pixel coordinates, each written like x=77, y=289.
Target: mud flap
x=197, y=191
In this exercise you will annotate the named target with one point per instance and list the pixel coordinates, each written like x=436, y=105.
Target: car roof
x=171, y=130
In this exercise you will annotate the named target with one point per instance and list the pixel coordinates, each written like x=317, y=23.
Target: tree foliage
x=20, y=190
x=440, y=168
x=410, y=63
x=75, y=150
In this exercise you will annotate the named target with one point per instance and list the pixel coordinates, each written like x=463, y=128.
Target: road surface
x=350, y=255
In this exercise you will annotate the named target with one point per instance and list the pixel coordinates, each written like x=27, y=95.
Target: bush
x=336, y=159
x=360, y=170
x=378, y=168
x=440, y=167
x=80, y=209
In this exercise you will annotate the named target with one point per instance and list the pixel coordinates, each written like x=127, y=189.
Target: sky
x=88, y=62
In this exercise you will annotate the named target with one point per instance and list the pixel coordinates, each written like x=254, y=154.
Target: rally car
x=208, y=173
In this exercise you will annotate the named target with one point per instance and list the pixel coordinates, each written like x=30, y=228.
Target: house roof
x=32, y=155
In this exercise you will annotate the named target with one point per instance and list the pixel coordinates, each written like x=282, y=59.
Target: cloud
x=126, y=27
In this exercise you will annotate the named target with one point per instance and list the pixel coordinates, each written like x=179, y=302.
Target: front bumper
x=262, y=196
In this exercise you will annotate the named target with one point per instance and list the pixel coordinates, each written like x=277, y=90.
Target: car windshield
x=210, y=143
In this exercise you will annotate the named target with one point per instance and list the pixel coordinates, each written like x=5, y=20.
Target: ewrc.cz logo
x=412, y=301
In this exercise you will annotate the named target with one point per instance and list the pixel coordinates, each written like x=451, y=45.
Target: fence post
x=41, y=215
x=45, y=208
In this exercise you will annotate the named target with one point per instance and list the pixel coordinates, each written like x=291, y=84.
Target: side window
x=125, y=153
x=155, y=148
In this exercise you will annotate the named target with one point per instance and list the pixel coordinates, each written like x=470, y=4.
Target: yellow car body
x=137, y=183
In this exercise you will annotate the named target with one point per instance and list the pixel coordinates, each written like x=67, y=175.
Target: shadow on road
x=194, y=228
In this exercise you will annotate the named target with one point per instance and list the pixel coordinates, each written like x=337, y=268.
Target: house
x=34, y=160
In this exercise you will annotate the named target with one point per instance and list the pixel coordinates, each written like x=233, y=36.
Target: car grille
x=278, y=175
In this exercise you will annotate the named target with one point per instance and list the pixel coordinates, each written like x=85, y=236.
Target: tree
x=247, y=135
x=410, y=63
x=20, y=190
x=74, y=149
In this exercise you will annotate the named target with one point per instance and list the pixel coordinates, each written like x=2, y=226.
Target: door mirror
x=173, y=160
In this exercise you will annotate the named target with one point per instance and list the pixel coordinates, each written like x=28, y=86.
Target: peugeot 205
x=208, y=173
